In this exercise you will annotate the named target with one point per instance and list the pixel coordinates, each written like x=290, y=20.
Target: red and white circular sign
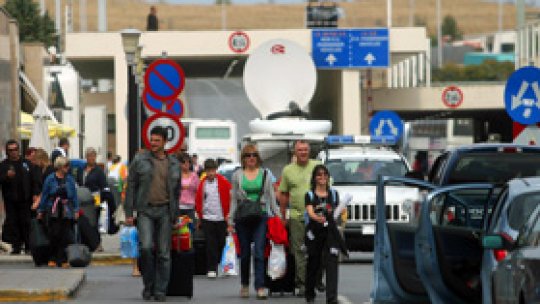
x=175, y=130
x=239, y=42
x=452, y=97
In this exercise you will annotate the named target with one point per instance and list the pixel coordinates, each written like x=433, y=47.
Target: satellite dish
x=277, y=73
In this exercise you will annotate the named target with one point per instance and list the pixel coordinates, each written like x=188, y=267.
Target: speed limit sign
x=452, y=97
x=174, y=127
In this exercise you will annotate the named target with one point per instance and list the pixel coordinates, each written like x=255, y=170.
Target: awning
x=56, y=130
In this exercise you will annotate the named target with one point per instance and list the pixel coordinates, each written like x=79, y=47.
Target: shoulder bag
x=248, y=210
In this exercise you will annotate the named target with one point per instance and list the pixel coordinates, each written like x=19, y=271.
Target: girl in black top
x=321, y=201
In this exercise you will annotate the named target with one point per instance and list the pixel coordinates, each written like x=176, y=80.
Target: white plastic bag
x=277, y=262
x=228, y=264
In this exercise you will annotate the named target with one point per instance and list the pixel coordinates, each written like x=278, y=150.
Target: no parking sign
x=164, y=79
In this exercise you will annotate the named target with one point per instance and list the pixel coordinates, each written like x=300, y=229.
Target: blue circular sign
x=522, y=95
x=164, y=79
x=385, y=127
x=174, y=107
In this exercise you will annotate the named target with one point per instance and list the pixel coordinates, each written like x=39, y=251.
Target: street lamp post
x=130, y=42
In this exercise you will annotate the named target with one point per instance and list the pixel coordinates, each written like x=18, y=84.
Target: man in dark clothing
x=152, y=20
x=153, y=191
x=61, y=150
x=18, y=189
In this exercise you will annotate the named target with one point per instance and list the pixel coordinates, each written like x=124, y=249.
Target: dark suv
x=480, y=163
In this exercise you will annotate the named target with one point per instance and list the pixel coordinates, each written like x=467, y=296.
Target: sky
x=529, y=2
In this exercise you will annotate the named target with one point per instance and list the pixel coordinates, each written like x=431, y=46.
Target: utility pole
x=440, y=43
x=223, y=16
x=520, y=18
x=83, y=19
x=102, y=15
x=411, y=12
x=389, y=13
x=500, y=21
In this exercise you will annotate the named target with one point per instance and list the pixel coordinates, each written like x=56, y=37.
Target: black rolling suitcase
x=286, y=283
x=181, y=279
x=39, y=243
x=199, y=247
x=89, y=234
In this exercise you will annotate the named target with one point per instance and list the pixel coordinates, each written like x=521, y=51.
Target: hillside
x=473, y=16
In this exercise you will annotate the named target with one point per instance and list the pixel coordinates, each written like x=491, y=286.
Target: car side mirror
x=492, y=242
x=496, y=241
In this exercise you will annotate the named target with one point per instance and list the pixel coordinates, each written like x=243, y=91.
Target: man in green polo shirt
x=295, y=180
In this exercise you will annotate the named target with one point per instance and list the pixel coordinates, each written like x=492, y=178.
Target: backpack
x=333, y=192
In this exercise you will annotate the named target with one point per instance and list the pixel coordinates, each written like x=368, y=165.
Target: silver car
x=516, y=277
x=516, y=202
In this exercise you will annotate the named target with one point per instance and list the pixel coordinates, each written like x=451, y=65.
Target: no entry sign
x=164, y=79
x=174, y=107
x=175, y=131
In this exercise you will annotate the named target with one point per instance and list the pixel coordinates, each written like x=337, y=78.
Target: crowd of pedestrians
x=158, y=187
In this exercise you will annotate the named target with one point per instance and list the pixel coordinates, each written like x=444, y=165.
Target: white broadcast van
x=217, y=139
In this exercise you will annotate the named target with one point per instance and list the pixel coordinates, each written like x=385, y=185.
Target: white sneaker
x=211, y=274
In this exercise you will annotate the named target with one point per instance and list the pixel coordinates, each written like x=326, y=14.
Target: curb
x=97, y=260
x=45, y=295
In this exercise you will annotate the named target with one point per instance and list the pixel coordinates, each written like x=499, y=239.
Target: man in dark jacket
x=152, y=20
x=18, y=189
x=153, y=191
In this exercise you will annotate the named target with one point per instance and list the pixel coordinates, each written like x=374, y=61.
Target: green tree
x=32, y=26
x=223, y=1
x=450, y=28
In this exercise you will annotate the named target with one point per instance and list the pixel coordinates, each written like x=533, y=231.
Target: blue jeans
x=248, y=233
x=154, y=225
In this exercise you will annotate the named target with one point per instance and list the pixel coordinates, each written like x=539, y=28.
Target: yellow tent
x=55, y=129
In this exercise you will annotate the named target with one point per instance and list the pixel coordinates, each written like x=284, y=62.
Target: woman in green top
x=247, y=184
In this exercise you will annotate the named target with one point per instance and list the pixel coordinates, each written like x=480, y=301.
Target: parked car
x=439, y=250
x=515, y=204
x=516, y=277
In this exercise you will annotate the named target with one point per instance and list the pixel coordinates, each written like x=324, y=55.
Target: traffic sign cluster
x=164, y=81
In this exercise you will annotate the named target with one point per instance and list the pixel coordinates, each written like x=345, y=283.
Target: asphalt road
x=113, y=284
x=217, y=98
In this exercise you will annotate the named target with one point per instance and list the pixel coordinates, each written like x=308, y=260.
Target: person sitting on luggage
x=250, y=183
x=59, y=201
x=321, y=201
x=212, y=203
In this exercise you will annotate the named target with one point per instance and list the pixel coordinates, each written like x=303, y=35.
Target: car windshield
x=358, y=171
x=495, y=168
x=521, y=208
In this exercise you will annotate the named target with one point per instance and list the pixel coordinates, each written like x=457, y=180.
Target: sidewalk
x=50, y=284
x=109, y=256
x=43, y=284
